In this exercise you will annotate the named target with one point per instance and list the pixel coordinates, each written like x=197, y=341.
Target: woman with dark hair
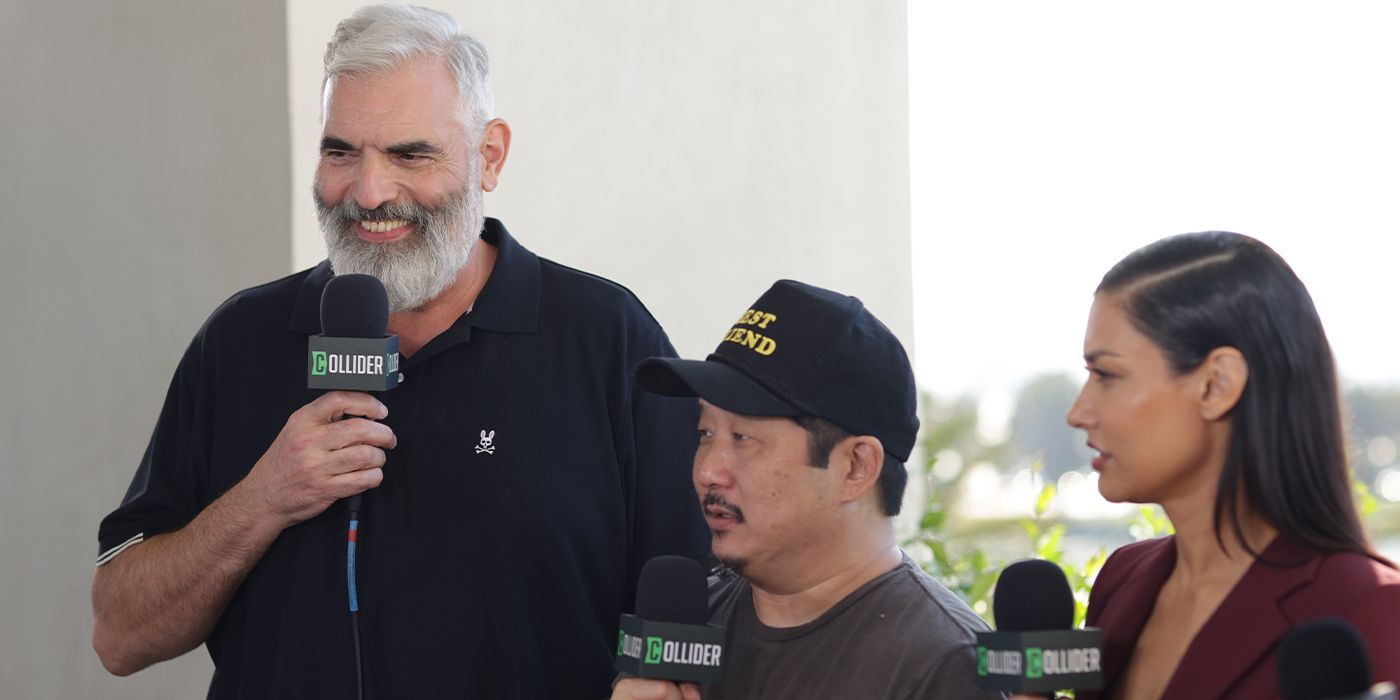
x=1212, y=392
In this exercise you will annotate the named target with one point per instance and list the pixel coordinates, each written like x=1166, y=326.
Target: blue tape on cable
x=350, y=565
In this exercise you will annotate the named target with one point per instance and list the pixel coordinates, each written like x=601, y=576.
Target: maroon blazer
x=1233, y=655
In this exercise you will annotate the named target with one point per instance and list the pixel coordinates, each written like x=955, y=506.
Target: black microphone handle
x=353, y=502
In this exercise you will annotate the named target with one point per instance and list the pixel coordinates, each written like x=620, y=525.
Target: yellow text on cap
x=754, y=317
x=757, y=342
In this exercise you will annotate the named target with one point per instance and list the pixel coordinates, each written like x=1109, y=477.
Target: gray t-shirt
x=902, y=636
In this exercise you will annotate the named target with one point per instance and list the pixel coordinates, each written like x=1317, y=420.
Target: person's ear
x=1224, y=374
x=495, y=145
x=859, y=459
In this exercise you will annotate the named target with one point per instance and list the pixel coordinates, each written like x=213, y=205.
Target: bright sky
x=1050, y=139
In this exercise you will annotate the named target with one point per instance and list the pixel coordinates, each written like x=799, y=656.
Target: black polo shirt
x=489, y=567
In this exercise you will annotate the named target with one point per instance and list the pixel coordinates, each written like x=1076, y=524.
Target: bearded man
x=514, y=484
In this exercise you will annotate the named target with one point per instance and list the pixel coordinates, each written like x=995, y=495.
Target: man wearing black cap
x=808, y=412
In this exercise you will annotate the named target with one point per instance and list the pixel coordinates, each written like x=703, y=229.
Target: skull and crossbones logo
x=486, y=445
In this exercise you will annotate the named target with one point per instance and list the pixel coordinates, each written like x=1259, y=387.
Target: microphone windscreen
x=673, y=589
x=1323, y=658
x=354, y=306
x=1033, y=596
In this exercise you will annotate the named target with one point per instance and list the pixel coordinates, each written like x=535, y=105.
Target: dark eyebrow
x=414, y=148
x=331, y=143
x=1095, y=355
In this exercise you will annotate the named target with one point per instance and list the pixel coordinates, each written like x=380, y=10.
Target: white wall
x=692, y=151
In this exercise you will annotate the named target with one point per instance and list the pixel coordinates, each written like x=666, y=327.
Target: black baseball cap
x=803, y=350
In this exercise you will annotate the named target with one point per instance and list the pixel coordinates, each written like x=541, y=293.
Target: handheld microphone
x=1035, y=650
x=1326, y=659
x=668, y=638
x=353, y=351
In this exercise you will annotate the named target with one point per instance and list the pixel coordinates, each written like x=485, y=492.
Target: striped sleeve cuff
x=111, y=554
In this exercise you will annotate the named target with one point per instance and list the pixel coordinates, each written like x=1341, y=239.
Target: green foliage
x=966, y=568
x=956, y=558
x=1150, y=522
x=1365, y=502
x=972, y=573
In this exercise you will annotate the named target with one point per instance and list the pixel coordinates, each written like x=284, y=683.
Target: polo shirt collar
x=508, y=303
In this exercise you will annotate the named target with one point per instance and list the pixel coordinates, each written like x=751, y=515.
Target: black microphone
x=354, y=353
x=1326, y=659
x=1035, y=650
x=668, y=638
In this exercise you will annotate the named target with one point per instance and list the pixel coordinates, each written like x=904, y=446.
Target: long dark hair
x=1196, y=292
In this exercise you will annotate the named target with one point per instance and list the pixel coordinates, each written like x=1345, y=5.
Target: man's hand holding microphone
x=329, y=449
x=650, y=689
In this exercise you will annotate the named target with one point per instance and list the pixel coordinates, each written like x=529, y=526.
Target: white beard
x=418, y=267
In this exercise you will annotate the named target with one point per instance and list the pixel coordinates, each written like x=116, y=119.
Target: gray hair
x=379, y=38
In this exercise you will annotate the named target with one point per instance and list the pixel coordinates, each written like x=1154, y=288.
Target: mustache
x=349, y=211
x=717, y=502
x=416, y=268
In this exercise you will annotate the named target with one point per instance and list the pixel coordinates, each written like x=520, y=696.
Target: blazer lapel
x=1245, y=628
x=1129, y=606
